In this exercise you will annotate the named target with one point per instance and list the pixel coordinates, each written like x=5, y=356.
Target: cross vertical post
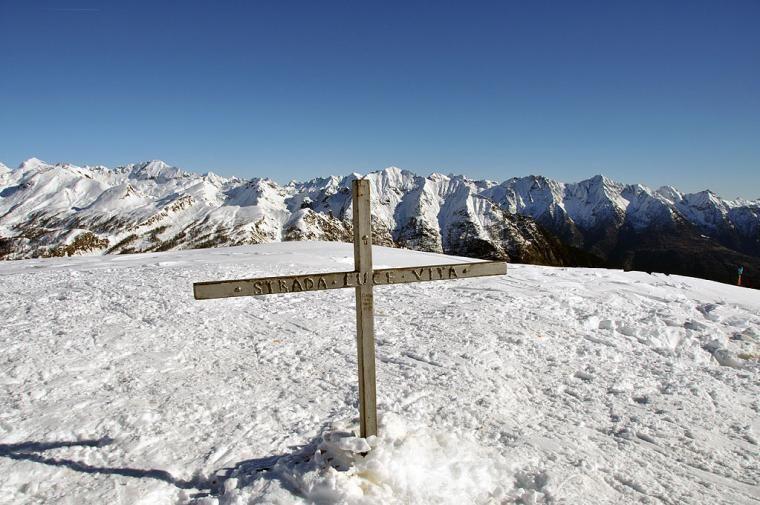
x=365, y=319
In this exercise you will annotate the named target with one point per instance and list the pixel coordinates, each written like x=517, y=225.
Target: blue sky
x=658, y=92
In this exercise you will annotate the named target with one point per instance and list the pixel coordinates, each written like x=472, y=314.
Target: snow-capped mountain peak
x=31, y=162
x=155, y=169
x=670, y=193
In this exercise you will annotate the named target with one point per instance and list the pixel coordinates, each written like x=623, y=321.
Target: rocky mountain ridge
x=62, y=209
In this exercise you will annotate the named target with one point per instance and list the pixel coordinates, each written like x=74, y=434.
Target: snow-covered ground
x=549, y=385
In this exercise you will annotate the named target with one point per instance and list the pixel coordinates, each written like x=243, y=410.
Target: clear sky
x=660, y=92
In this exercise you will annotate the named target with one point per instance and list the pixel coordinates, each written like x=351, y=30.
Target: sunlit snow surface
x=549, y=385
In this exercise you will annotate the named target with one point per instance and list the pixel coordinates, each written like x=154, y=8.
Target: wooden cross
x=363, y=278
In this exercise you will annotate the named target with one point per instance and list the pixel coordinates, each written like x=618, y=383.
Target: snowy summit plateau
x=62, y=210
x=549, y=385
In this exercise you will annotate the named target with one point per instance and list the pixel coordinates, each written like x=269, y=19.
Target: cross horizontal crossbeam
x=339, y=280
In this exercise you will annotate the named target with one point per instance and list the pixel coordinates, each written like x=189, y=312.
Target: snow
x=548, y=385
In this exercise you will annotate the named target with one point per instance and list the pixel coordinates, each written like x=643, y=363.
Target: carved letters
x=337, y=280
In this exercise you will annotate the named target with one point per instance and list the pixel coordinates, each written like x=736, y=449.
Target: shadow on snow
x=245, y=471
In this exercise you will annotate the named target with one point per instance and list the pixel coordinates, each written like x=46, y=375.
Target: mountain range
x=62, y=209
